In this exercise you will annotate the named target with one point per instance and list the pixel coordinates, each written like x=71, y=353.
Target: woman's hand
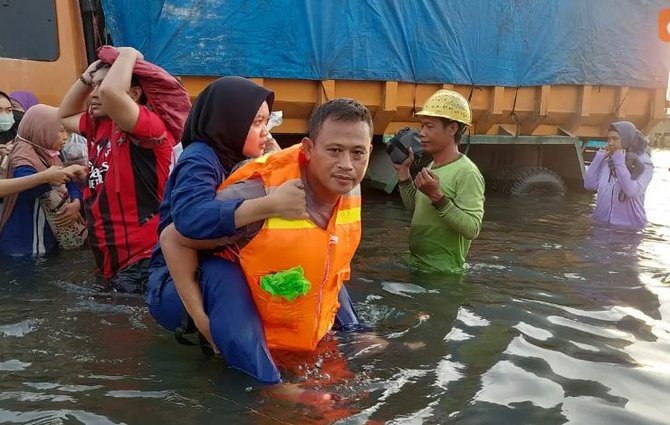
x=202, y=324
x=56, y=175
x=289, y=200
x=76, y=171
x=68, y=214
x=271, y=145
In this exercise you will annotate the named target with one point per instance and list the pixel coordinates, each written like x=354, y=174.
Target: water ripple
x=20, y=329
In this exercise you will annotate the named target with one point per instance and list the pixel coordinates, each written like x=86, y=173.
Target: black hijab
x=9, y=135
x=222, y=115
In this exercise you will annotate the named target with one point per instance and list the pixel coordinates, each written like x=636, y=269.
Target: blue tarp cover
x=479, y=42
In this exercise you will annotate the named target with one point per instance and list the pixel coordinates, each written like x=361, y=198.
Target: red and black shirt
x=127, y=175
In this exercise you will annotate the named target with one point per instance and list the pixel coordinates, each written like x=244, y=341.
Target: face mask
x=6, y=121
x=52, y=153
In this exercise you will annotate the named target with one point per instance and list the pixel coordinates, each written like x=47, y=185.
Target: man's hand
x=68, y=214
x=130, y=51
x=429, y=183
x=289, y=200
x=87, y=76
x=403, y=169
x=4, y=150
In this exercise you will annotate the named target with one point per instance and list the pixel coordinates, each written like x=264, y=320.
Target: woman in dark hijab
x=23, y=100
x=9, y=121
x=222, y=115
x=226, y=125
x=620, y=174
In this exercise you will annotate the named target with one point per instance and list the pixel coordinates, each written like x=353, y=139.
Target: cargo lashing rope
x=514, y=114
x=467, y=146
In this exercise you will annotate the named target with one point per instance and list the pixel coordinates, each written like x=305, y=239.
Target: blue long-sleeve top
x=27, y=231
x=189, y=199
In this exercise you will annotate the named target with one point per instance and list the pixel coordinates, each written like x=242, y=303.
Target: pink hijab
x=38, y=131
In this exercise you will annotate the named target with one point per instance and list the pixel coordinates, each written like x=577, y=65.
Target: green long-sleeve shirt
x=440, y=235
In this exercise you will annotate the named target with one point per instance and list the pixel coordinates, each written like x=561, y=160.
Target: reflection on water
x=556, y=321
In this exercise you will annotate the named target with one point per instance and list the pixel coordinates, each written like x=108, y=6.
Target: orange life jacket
x=324, y=254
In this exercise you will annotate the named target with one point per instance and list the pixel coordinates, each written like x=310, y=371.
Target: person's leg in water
x=132, y=279
x=183, y=251
x=236, y=326
x=233, y=324
x=347, y=319
x=181, y=257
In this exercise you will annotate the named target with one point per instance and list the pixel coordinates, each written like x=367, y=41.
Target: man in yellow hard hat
x=446, y=198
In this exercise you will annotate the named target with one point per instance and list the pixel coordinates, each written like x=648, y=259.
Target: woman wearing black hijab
x=222, y=115
x=9, y=121
x=226, y=125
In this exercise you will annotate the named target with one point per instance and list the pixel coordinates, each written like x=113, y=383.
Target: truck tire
x=535, y=181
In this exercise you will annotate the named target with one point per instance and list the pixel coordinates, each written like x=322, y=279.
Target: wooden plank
x=503, y=130
x=583, y=110
x=656, y=111
x=326, y=92
x=494, y=114
x=384, y=115
x=565, y=132
x=540, y=114
x=621, y=95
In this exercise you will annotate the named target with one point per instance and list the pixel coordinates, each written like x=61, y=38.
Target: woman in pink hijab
x=24, y=229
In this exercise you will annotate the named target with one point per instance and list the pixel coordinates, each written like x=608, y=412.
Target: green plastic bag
x=289, y=284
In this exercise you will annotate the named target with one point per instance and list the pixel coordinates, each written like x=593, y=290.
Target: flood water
x=554, y=322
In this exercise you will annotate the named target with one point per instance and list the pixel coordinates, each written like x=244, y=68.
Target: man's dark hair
x=135, y=82
x=459, y=132
x=341, y=109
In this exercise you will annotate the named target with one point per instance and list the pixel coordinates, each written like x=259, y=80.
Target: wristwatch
x=85, y=82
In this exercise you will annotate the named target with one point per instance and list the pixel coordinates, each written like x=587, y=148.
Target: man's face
x=338, y=158
x=95, y=106
x=435, y=136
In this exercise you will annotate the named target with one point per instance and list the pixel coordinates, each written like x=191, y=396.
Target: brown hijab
x=38, y=131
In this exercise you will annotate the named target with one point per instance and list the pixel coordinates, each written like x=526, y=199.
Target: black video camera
x=398, y=147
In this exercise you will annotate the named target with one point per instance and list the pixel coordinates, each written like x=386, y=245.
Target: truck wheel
x=535, y=181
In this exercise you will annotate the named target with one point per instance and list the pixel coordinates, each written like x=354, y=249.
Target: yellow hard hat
x=447, y=104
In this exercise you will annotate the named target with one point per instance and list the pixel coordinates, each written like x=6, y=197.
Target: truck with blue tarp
x=543, y=77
